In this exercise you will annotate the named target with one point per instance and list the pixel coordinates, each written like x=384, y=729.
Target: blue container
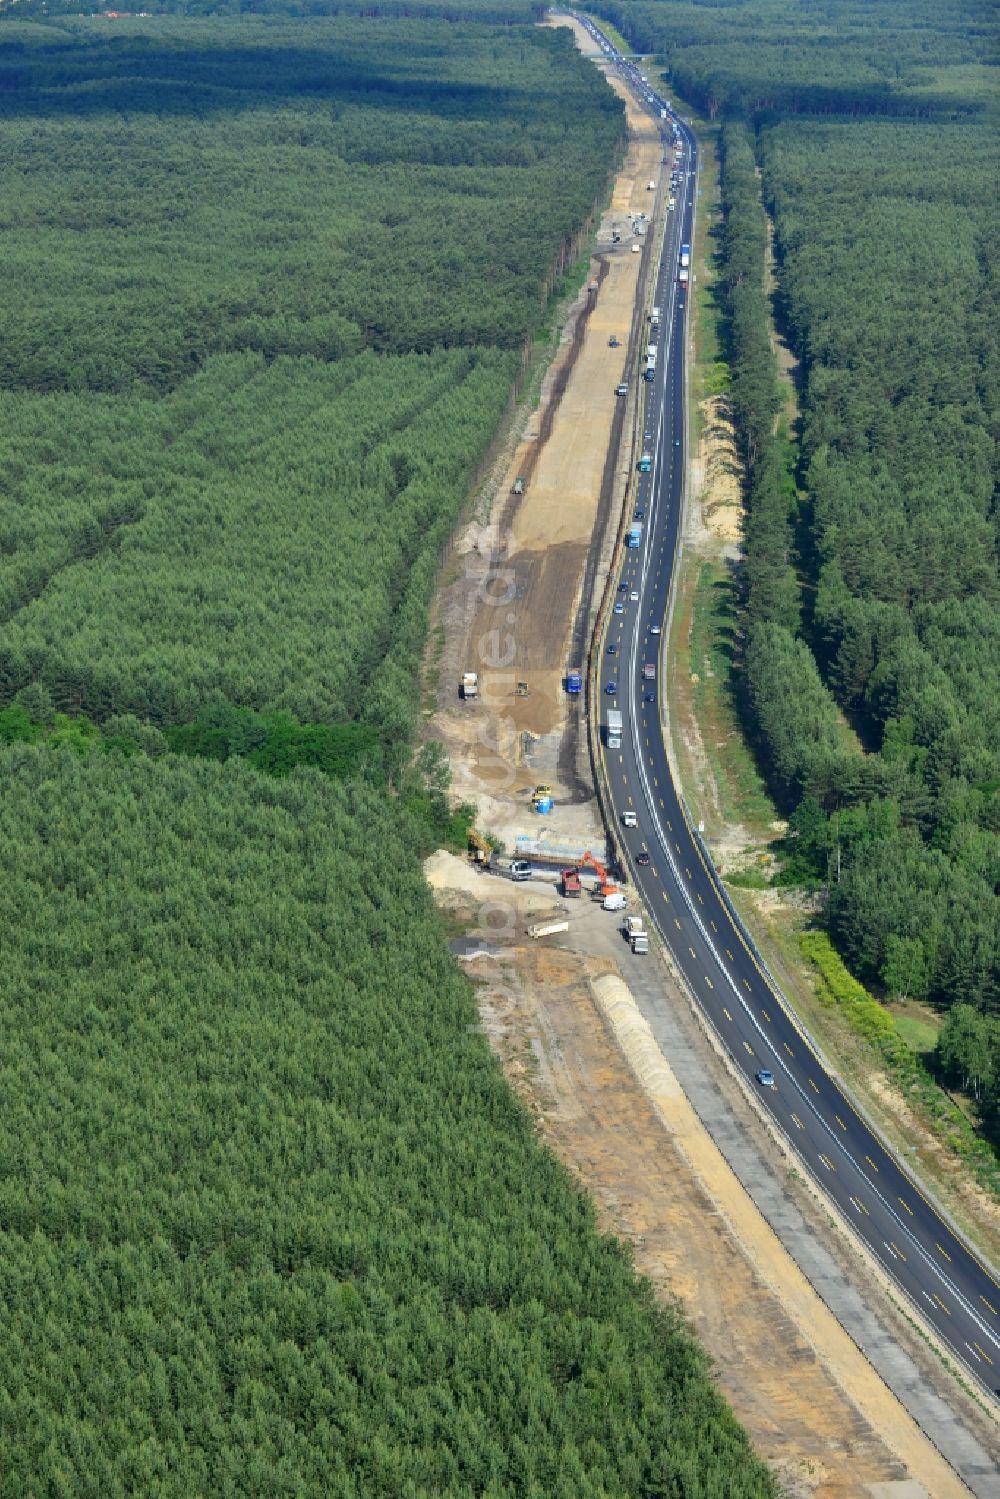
x=544, y=807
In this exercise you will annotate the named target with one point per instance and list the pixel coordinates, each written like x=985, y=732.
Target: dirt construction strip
x=576, y=1047
x=564, y=1024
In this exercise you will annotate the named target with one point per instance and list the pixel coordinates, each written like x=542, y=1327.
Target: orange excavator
x=605, y=885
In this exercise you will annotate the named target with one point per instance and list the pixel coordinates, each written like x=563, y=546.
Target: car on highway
x=765, y=1077
x=611, y=689
x=619, y=607
x=639, y=513
x=612, y=649
x=642, y=858
x=623, y=588
x=649, y=697
x=634, y=596
x=654, y=629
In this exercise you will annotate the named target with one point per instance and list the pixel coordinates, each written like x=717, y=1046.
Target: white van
x=616, y=902
x=629, y=820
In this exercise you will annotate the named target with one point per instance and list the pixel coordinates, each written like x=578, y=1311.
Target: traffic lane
x=846, y=1182
x=832, y=1137
x=810, y=1117
x=792, y=1053
x=811, y=1114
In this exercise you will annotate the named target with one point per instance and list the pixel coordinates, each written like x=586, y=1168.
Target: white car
x=634, y=596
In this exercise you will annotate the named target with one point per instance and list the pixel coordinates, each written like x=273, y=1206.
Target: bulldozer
x=521, y=690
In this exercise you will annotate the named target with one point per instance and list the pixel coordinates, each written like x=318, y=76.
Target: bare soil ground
x=516, y=604
x=573, y=1043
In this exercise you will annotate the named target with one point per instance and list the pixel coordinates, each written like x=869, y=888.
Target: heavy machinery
x=479, y=849
x=518, y=486
x=541, y=794
x=521, y=690
x=470, y=685
x=605, y=885
x=571, y=882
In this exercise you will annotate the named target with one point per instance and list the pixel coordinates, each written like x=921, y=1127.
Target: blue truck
x=574, y=683
x=634, y=538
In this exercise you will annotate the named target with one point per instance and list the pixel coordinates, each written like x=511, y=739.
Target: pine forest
x=272, y=1223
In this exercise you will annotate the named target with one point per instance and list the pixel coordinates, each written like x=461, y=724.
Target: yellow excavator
x=541, y=794
x=479, y=849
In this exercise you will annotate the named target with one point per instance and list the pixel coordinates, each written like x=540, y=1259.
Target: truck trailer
x=634, y=538
x=614, y=729
x=574, y=682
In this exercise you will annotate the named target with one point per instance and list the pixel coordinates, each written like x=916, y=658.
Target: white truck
x=636, y=933
x=470, y=685
x=615, y=728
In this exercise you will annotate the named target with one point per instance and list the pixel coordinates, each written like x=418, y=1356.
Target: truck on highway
x=646, y=463
x=683, y=279
x=634, y=538
x=574, y=682
x=614, y=729
x=654, y=318
x=649, y=671
x=685, y=255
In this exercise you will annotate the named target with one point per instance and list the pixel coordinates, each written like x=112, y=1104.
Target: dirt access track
x=516, y=601
x=515, y=604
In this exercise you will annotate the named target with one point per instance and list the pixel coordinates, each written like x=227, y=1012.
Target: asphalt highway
x=915, y=1246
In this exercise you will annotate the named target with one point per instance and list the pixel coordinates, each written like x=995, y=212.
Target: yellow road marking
x=906, y=1206
x=942, y=1305
x=730, y=956
x=942, y=1250
x=726, y=1013
x=748, y=1047
x=990, y=1305
x=708, y=981
x=827, y=1162
x=692, y=952
x=710, y=921
x=813, y=1086
x=985, y=1354
x=789, y=1050
x=765, y=1015
x=677, y=923
x=898, y=1251
x=746, y=984
x=797, y=1122
x=871, y=1162
x=840, y=1121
